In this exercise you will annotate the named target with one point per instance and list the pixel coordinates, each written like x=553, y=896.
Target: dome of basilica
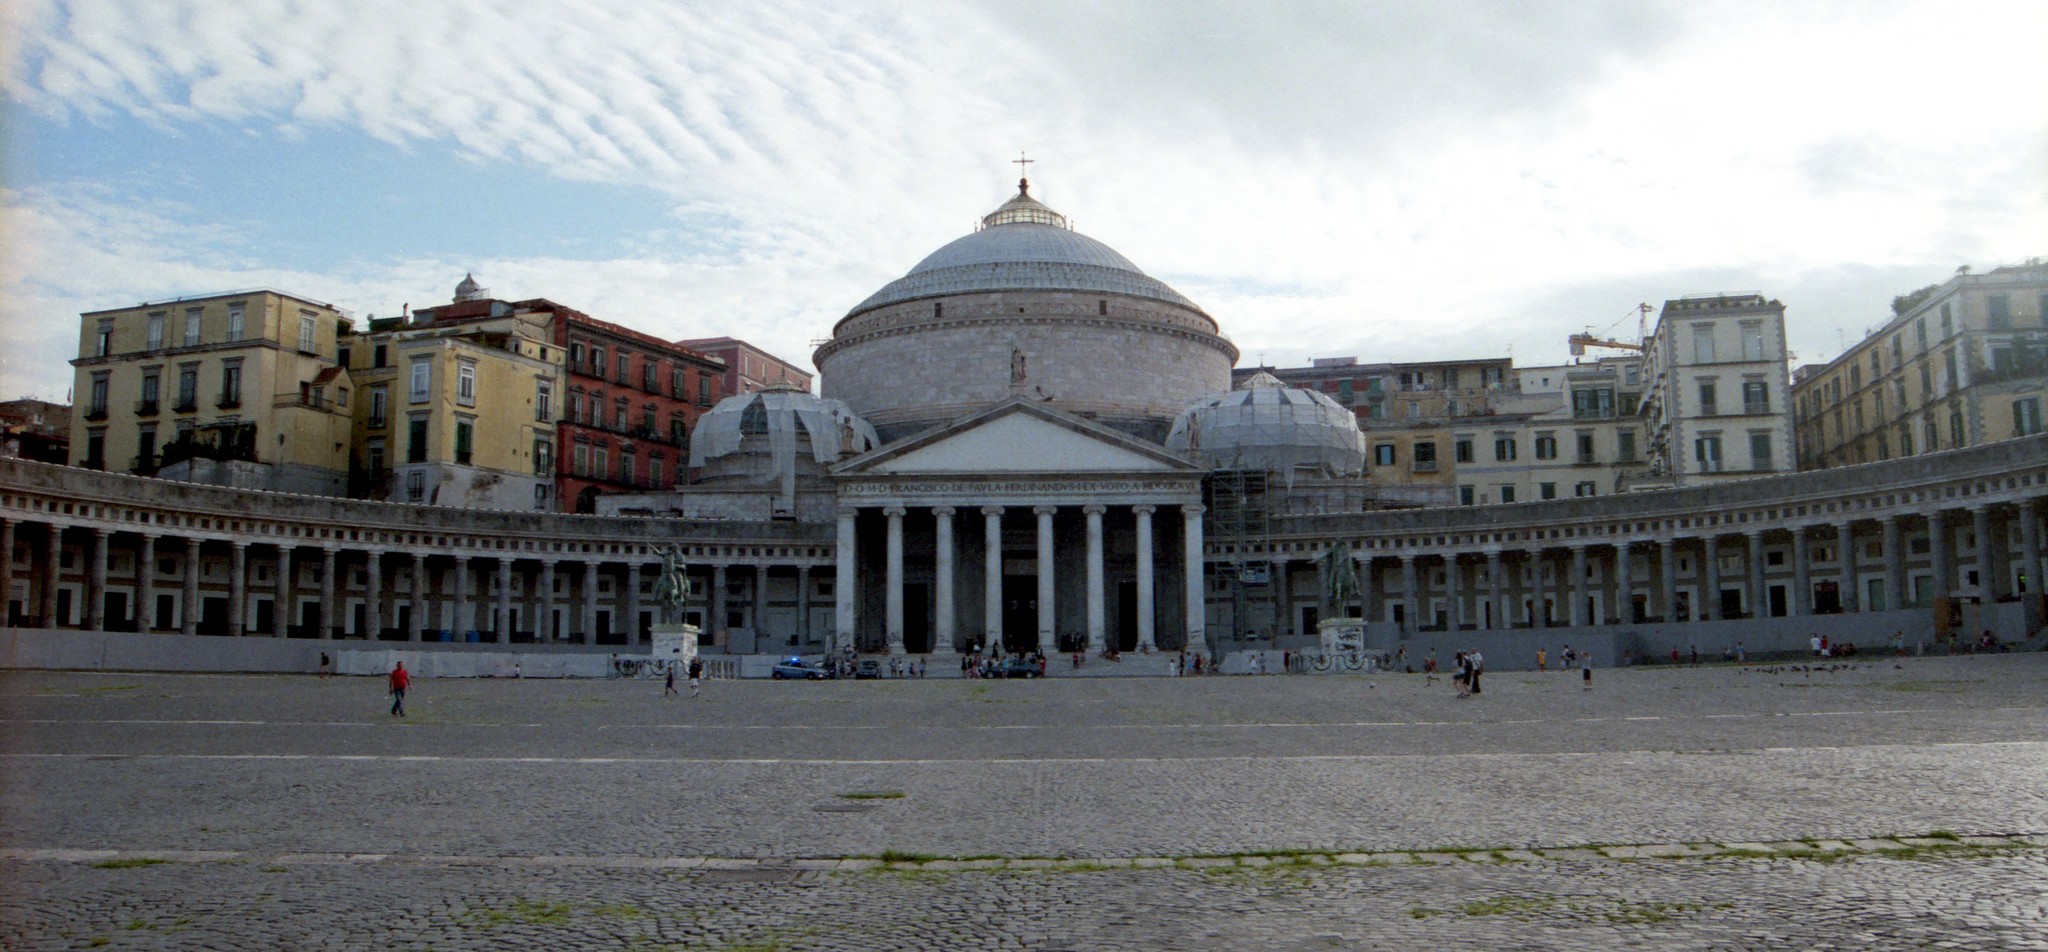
x=1024, y=307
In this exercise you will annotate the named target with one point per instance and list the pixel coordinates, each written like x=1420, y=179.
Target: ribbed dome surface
x=1023, y=246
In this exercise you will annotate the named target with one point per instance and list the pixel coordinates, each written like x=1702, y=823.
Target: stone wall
x=926, y=372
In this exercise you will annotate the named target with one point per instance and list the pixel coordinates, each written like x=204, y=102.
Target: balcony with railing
x=145, y=408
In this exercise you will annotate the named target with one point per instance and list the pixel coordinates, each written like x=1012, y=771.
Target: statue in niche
x=1018, y=370
x=1340, y=581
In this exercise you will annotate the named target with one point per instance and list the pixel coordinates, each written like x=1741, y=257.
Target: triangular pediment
x=1017, y=437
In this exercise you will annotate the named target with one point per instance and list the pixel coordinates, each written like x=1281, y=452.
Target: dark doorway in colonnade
x=917, y=618
x=1020, y=613
x=1125, y=636
x=1827, y=598
x=213, y=617
x=116, y=612
x=1731, y=603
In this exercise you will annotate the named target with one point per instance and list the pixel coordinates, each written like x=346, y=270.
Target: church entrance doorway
x=917, y=618
x=1020, y=613
x=1125, y=637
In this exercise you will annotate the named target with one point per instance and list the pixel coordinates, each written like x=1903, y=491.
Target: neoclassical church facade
x=1026, y=441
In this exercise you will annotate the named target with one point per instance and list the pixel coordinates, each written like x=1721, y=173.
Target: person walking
x=696, y=676
x=326, y=666
x=1586, y=669
x=1542, y=660
x=1477, y=662
x=400, y=680
x=669, y=687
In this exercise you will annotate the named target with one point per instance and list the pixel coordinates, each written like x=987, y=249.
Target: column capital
x=1044, y=510
x=991, y=510
x=1144, y=510
x=944, y=511
x=849, y=512
x=99, y=533
x=1094, y=509
x=894, y=512
x=1192, y=509
x=237, y=543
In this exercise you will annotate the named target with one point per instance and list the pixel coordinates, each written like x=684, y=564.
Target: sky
x=1394, y=181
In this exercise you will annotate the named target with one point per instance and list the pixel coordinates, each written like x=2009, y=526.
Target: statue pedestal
x=674, y=642
x=1342, y=635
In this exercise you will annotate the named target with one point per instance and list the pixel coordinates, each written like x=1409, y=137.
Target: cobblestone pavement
x=1280, y=812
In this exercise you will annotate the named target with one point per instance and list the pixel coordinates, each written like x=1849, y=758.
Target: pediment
x=1017, y=437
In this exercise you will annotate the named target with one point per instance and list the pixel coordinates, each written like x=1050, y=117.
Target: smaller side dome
x=1268, y=426
x=761, y=436
x=469, y=290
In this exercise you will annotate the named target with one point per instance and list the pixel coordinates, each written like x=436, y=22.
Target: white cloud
x=1399, y=180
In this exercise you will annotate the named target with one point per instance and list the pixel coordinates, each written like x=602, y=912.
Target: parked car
x=1020, y=668
x=867, y=670
x=800, y=670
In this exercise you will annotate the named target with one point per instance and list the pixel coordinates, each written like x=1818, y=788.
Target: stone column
x=7, y=573
x=1502, y=617
x=96, y=584
x=189, y=624
x=803, y=604
x=1368, y=587
x=1852, y=600
x=1989, y=585
x=145, y=582
x=1667, y=577
x=893, y=584
x=326, y=615
x=992, y=578
x=1578, y=588
x=716, y=623
x=502, y=624
x=1709, y=608
x=1941, y=552
x=53, y=569
x=842, y=583
x=1147, y=634
x=1759, y=603
x=942, y=595
x=1802, y=574
x=238, y=586
x=544, y=627
x=373, y=595
x=418, y=596
x=465, y=609
x=1895, y=565
x=1410, y=621
x=1624, y=584
x=586, y=576
x=281, y=600
x=633, y=600
x=1454, y=593
x=1096, y=625
x=1197, y=599
x=1047, y=637
x=2030, y=560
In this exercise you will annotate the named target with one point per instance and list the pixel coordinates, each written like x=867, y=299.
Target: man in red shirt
x=400, y=680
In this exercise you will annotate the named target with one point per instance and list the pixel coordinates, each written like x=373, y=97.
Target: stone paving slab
x=153, y=811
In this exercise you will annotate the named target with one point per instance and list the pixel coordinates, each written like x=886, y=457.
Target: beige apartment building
x=1716, y=399
x=1959, y=363
x=457, y=412
x=239, y=389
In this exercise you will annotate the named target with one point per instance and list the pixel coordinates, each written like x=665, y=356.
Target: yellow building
x=1960, y=363
x=241, y=389
x=457, y=408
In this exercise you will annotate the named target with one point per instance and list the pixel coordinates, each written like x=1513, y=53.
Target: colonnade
x=172, y=582
x=1048, y=560
x=1888, y=561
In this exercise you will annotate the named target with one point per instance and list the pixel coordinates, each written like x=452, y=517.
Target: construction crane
x=1579, y=342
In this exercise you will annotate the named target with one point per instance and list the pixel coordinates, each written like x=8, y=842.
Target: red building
x=631, y=399
x=631, y=403
x=749, y=368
